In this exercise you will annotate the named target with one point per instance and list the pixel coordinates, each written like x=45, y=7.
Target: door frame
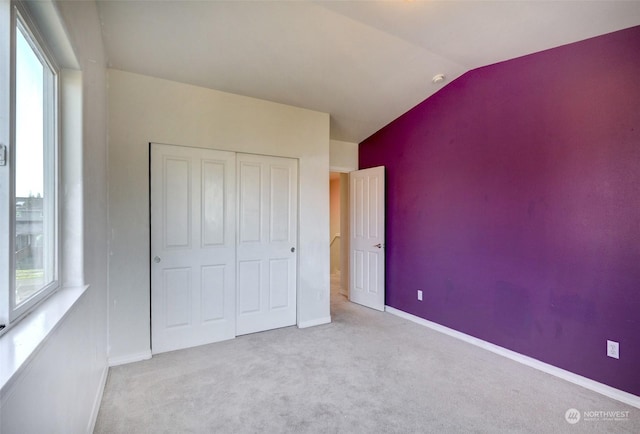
x=345, y=227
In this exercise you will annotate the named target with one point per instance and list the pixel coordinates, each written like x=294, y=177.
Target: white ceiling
x=364, y=62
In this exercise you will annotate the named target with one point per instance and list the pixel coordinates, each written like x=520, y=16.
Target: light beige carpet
x=367, y=372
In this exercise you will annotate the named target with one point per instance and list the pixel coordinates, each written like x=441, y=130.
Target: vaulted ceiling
x=363, y=62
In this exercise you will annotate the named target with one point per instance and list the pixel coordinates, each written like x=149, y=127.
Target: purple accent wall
x=513, y=202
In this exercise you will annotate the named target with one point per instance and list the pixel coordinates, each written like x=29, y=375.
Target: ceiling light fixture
x=437, y=79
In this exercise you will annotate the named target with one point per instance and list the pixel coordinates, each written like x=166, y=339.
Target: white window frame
x=10, y=313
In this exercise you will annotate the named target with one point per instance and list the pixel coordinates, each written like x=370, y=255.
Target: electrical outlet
x=419, y=294
x=613, y=349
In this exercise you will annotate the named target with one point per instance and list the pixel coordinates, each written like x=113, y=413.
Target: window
x=33, y=166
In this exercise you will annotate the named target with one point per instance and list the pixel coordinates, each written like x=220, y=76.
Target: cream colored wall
x=58, y=389
x=343, y=156
x=143, y=109
x=334, y=217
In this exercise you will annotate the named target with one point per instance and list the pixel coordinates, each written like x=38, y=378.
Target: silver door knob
x=293, y=249
x=378, y=245
x=156, y=259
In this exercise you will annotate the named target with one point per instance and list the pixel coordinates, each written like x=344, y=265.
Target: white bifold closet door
x=267, y=241
x=193, y=259
x=223, y=240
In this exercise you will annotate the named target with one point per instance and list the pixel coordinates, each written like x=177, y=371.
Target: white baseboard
x=98, y=400
x=314, y=322
x=587, y=383
x=130, y=358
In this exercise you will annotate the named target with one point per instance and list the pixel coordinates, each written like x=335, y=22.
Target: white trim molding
x=314, y=322
x=95, y=409
x=341, y=169
x=130, y=358
x=587, y=383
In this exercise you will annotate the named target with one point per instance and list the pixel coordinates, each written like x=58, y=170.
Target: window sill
x=23, y=341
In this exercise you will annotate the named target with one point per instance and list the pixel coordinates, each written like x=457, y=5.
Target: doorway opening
x=357, y=237
x=339, y=235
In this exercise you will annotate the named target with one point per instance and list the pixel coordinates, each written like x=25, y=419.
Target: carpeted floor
x=366, y=372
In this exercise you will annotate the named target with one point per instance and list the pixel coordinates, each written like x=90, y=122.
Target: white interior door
x=366, y=251
x=266, y=242
x=193, y=263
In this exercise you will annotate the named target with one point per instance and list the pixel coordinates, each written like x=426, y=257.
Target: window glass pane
x=33, y=197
